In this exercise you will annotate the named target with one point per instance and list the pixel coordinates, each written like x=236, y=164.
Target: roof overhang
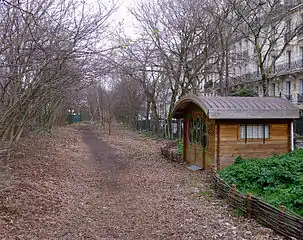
x=239, y=107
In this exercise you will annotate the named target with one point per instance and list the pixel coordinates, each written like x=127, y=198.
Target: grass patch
x=277, y=180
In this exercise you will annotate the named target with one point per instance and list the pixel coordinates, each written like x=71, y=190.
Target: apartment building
x=285, y=60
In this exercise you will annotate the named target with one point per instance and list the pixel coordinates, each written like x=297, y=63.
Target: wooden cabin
x=219, y=129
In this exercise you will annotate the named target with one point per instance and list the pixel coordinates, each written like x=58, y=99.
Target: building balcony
x=292, y=3
x=246, y=78
x=287, y=68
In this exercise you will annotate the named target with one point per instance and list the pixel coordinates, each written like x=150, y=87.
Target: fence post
x=224, y=194
x=301, y=229
x=233, y=190
x=283, y=210
x=248, y=205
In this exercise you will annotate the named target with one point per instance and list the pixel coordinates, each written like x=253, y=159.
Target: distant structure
x=285, y=76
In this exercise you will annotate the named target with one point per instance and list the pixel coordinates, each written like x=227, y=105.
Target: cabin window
x=254, y=131
x=198, y=131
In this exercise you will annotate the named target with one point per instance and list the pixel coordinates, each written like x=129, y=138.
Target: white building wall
x=288, y=81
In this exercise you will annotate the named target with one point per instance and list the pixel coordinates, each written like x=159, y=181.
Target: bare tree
x=179, y=30
x=268, y=27
x=46, y=54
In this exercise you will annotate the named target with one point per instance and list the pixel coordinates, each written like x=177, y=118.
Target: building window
x=274, y=89
x=288, y=25
x=254, y=131
x=288, y=58
x=288, y=89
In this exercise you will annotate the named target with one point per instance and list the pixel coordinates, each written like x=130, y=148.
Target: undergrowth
x=180, y=146
x=277, y=180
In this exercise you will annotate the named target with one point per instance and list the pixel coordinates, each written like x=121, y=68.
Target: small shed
x=219, y=129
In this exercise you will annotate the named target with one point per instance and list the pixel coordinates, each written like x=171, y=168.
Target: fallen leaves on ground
x=76, y=184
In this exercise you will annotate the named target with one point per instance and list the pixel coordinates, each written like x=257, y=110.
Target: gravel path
x=94, y=186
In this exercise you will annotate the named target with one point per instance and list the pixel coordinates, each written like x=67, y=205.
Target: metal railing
x=289, y=67
x=283, y=68
x=292, y=3
x=300, y=98
x=286, y=96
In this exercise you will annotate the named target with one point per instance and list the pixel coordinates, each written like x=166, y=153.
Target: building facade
x=284, y=58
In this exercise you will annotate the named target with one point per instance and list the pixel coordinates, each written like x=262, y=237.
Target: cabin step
x=194, y=167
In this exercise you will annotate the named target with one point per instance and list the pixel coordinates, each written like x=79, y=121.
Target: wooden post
x=301, y=224
x=221, y=184
x=185, y=138
x=283, y=209
x=213, y=168
x=233, y=190
x=248, y=205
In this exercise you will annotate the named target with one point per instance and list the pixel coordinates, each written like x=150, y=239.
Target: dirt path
x=116, y=187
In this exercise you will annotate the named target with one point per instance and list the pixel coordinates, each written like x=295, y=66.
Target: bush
x=277, y=180
x=180, y=147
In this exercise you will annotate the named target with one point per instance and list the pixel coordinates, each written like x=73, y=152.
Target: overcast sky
x=123, y=14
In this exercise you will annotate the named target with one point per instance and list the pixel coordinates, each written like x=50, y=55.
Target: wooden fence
x=284, y=222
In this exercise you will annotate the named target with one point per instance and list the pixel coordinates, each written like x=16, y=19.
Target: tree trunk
x=147, y=125
x=169, y=117
x=264, y=85
x=179, y=125
x=155, y=117
x=226, y=74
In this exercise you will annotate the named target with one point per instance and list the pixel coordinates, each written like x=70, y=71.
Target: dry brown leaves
x=72, y=185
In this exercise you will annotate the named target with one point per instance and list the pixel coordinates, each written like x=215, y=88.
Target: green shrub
x=238, y=160
x=277, y=180
x=180, y=146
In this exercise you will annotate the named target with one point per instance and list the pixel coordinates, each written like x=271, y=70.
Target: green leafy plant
x=238, y=160
x=277, y=180
x=180, y=146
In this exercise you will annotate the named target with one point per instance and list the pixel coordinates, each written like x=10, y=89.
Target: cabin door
x=197, y=141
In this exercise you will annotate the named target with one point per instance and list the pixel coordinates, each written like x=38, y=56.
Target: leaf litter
x=82, y=184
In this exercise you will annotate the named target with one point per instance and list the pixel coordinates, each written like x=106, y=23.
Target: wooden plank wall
x=231, y=146
x=211, y=138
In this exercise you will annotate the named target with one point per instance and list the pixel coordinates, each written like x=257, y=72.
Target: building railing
x=292, y=3
x=289, y=67
x=286, y=96
x=283, y=68
x=296, y=98
x=300, y=98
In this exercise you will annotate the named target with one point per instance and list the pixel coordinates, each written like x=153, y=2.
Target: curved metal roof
x=239, y=107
